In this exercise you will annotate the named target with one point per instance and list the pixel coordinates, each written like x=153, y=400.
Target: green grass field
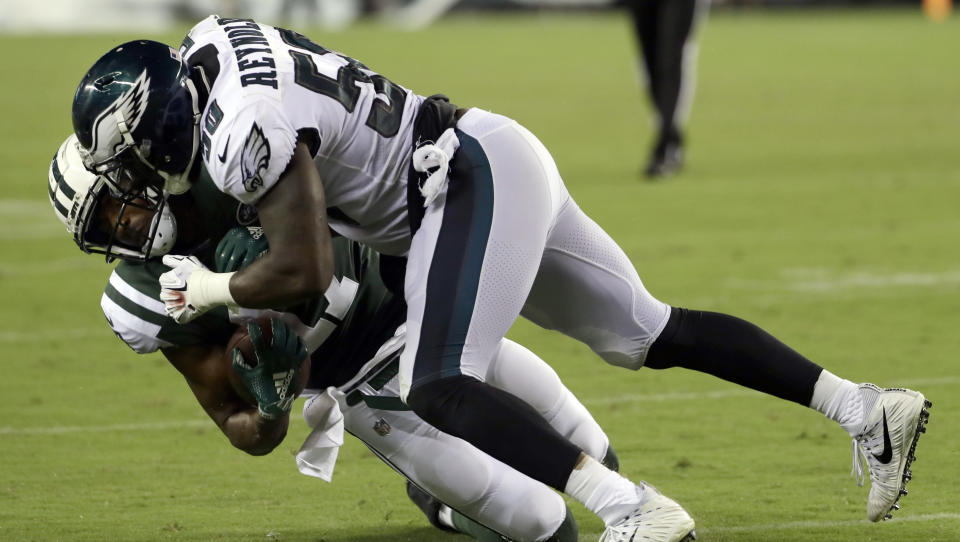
x=820, y=201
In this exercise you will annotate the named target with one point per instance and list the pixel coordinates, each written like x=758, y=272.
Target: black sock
x=734, y=350
x=498, y=423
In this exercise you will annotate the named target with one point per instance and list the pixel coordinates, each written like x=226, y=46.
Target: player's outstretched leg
x=885, y=424
x=602, y=291
x=893, y=420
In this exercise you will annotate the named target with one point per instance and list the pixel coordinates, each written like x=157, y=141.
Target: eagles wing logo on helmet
x=121, y=118
x=254, y=159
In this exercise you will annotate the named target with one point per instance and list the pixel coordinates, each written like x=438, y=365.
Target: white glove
x=189, y=289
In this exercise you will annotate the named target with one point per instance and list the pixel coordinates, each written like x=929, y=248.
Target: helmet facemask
x=94, y=239
x=79, y=199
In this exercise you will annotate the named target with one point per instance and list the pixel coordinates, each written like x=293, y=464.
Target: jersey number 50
x=384, y=117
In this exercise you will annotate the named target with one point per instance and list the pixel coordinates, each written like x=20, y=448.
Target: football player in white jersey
x=476, y=204
x=352, y=335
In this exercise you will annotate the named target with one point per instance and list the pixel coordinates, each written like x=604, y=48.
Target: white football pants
x=504, y=237
x=463, y=477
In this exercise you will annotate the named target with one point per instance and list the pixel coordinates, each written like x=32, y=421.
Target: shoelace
x=617, y=535
x=613, y=533
x=859, y=456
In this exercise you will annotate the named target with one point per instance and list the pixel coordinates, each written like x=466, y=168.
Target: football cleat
x=887, y=444
x=657, y=519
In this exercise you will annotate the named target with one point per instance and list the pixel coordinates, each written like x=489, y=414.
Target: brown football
x=241, y=339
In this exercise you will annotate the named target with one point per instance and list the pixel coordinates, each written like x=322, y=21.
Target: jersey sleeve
x=131, y=303
x=251, y=150
x=135, y=317
x=197, y=33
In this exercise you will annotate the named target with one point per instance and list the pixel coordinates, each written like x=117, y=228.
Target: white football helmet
x=76, y=195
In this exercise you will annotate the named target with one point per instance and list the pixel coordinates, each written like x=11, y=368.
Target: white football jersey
x=270, y=86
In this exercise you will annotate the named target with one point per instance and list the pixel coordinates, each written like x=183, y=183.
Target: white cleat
x=887, y=444
x=658, y=519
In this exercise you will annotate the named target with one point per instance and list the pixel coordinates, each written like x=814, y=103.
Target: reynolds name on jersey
x=254, y=56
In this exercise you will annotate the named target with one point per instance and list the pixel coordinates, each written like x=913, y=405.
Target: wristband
x=209, y=289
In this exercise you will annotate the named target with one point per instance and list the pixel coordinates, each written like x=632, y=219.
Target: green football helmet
x=136, y=114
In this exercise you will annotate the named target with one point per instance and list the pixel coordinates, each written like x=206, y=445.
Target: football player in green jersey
x=354, y=334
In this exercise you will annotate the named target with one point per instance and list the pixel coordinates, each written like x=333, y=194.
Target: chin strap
x=179, y=183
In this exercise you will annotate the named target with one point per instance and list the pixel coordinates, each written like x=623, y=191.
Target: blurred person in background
x=665, y=31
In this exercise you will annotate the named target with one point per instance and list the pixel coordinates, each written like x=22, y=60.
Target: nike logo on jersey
x=223, y=157
x=887, y=454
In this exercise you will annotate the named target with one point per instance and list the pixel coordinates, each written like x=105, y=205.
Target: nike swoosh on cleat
x=887, y=454
x=223, y=157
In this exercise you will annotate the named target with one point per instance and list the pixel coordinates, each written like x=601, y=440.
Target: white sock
x=840, y=400
x=602, y=491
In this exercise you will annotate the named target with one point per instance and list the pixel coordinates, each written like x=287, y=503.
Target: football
x=241, y=339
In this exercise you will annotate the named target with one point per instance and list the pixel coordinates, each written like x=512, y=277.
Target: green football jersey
x=220, y=211
x=343, y=328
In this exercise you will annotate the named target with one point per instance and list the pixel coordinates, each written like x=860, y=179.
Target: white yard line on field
x=825, y=280
x=62, y=266
x=26, y=209
x=29, y=219
x=796, y=525
x=655, y=397
x=45, y=335
x=791, y=525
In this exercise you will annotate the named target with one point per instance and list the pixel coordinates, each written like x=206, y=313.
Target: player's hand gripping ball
x=268, y=365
